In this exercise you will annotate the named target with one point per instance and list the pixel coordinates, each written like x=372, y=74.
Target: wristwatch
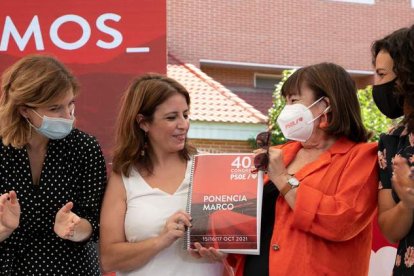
x=291, y=183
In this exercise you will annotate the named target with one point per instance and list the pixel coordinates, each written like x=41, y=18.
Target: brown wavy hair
x=332, y=81
x=143, y=96
x=400, y=45
x=34, y=81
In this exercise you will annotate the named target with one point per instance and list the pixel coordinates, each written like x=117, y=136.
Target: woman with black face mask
x=393, y=93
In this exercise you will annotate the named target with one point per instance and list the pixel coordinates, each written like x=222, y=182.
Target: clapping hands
x=403, y=182
x=66, y=222
x=9, y=214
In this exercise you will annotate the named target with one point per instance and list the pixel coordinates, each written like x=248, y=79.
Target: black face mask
x=387, y=101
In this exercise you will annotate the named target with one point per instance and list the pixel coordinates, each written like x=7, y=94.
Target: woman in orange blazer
x=321, y=193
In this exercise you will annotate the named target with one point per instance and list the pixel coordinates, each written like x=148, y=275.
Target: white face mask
x=296, y=121
x=54, y=128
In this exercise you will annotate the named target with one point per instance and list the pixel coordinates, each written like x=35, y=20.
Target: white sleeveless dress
x=147, y=210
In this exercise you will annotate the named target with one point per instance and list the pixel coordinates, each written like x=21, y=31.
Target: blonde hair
x=33, y=81
x=143, y=96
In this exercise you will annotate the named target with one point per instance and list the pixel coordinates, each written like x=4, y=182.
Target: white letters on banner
x=10, y=29
x=34, y=30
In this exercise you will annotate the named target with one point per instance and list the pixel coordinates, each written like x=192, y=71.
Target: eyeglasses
x=261, y=161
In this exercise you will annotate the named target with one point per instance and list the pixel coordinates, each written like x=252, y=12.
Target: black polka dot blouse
x=73, y=170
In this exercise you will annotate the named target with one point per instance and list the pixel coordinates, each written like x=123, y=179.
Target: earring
x=145, y=144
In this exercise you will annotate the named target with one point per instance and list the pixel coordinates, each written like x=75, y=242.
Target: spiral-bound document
x=225, y=201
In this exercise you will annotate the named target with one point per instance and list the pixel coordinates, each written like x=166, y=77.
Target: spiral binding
x=189, y=201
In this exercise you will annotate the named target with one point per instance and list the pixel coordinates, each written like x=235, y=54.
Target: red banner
x=105, y=43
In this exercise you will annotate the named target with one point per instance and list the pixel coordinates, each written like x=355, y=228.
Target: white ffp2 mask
x=296, y=121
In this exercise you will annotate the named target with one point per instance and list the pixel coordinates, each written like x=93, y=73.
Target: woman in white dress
x=143, y=218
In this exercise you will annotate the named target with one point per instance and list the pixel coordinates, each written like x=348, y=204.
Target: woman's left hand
x=211, y=254
x=66, y=221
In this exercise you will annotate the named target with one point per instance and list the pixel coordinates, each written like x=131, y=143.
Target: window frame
x=264, y=75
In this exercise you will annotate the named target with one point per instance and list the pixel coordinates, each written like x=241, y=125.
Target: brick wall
x=294, y=32
x=240, y=77
x=220, y=146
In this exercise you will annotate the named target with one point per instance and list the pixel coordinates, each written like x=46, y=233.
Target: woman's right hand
x=174, y=228
x=9, y=214
x=277, y=171
x=402, y=181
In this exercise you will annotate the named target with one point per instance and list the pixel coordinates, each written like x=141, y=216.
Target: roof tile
x=210, y=100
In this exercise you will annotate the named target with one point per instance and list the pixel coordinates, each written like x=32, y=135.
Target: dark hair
x=332, y=81
x=143, y=96
x=400, y=46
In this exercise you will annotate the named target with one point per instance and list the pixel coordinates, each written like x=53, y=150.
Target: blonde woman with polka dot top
x=52, y=176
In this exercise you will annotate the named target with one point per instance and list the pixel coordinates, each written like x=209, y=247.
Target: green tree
x=373, y=119
x=274, y=111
